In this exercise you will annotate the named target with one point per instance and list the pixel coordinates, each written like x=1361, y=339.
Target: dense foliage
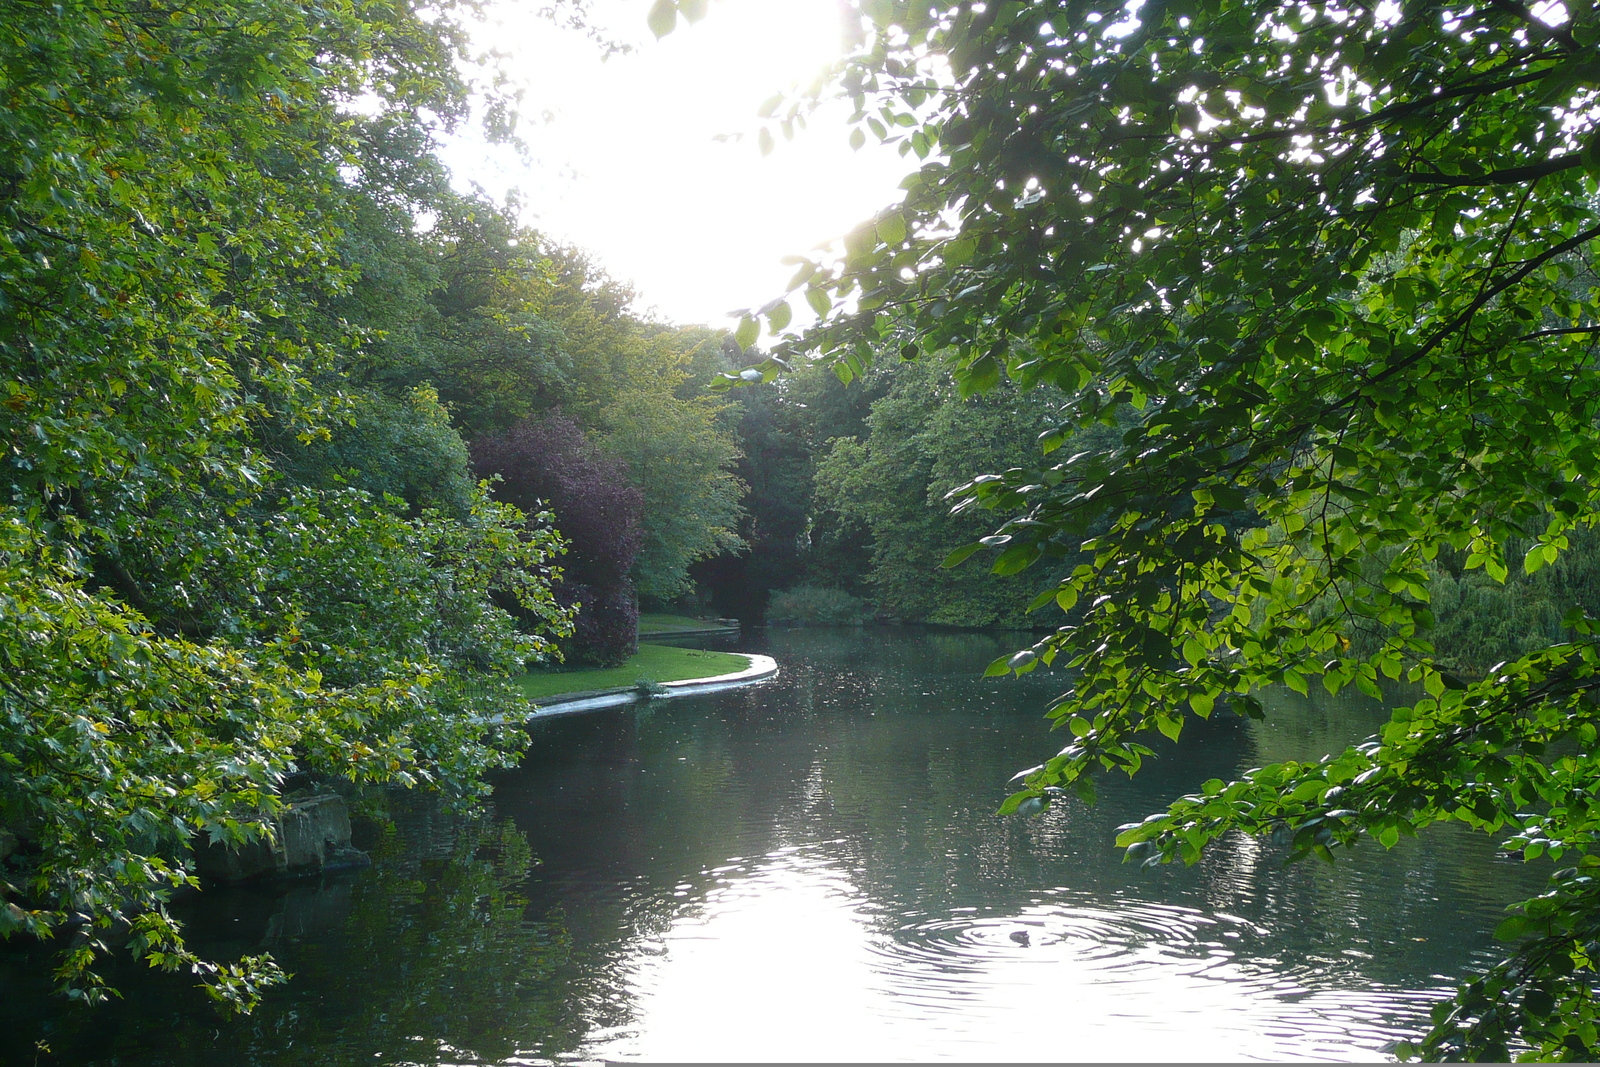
x=848, y=489
x=508, y=326
x=246, y=331
x=812, y=605
x=547, y=460
x=923, y=442
x=223, y=569
x=791, y=536
x=1332, y=263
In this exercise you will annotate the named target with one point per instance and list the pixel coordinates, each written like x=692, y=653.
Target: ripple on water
x=1177, y=976
x=1109, y=979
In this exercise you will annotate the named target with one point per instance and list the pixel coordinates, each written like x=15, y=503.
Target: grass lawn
x=657, y=663
x=654, y=622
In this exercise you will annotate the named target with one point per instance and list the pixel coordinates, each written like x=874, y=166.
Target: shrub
x=817, y=606
x=606, y=629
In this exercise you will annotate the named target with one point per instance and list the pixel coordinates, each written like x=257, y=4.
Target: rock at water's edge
x=312, y=836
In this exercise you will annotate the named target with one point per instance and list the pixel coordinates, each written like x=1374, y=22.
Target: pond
x=811, y=869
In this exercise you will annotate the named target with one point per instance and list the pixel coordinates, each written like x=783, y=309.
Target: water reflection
x=428, y=958
x=724, y=982
x=812, y=870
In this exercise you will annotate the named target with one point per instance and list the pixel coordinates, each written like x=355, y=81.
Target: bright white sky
x=627, y=164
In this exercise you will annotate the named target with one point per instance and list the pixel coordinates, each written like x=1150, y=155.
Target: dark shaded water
x=810, y=870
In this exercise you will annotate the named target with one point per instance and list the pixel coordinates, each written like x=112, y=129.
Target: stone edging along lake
x=761, y=668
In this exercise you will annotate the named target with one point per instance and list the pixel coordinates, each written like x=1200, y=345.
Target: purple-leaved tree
x=546, y=461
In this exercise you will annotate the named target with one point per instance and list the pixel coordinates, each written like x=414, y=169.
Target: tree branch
x=1558, y=333
x=1487, y=293
x=1508, y=176
x=118, y=578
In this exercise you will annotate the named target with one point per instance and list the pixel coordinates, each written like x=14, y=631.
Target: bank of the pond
x=658, y=670
x=656, y=624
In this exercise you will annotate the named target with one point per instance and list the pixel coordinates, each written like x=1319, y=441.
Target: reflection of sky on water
x=775, y=959
x=856, y=899
x=786, y=960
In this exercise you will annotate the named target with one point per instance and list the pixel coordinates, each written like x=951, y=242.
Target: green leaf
x=1010, y=805
x=980, y=376
x=1139, y=852
x=747, y=332
x=1015, y=559
x=1022, y=661
x=959, y=555
x=1512, y=928
x=662, y=18
x=958, y=251
x=892, y=229
x=779, y=317
x=1538, y=1003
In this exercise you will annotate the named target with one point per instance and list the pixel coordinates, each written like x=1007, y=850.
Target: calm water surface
x=811, y=870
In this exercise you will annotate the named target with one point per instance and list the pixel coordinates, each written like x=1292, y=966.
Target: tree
x=923, y=440
x=206, y=590
x=639, y=385
x=449, y=309
x=680, y=458
x=400, y=447
x=1334, y=263
x=776, y=465
x=524, y=327
x=782, y=431
x=548, y=461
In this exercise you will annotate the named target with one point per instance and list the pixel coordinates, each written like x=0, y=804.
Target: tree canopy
x=922, y=442
x=247, y=329
x=225, y=571
x=1333, y=263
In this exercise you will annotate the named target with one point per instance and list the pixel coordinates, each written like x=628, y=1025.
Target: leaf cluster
x=210, y=592
x=1333, y=264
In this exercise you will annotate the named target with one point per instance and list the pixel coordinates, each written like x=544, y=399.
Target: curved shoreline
x=760, y=669
x=715, y=631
